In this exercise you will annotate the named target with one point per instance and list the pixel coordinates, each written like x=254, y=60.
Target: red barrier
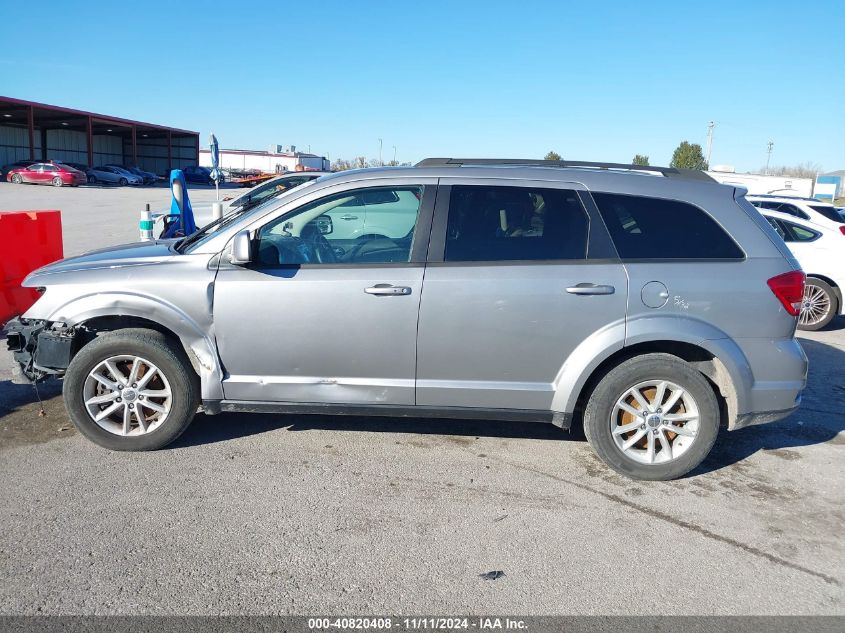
x=28, y=240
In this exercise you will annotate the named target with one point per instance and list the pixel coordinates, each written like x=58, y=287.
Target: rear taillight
x=789, y=289
x=842, y=229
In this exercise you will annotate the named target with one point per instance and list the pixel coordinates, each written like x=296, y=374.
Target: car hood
x=136, y=254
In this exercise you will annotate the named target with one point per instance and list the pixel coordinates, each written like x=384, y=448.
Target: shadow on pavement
x=228, y=426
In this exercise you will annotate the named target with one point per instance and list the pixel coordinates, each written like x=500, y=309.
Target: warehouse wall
x=184, y=152
x=67, y=145
x=14, y=144
x=107, y=149
x=152, y=153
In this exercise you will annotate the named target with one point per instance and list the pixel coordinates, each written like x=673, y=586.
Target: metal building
x=267, y=162
x=37, y=131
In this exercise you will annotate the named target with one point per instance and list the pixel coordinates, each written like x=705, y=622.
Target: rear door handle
x=386, y=290
x=590, y=289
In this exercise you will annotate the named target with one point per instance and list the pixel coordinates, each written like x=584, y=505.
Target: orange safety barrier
x=28, y=240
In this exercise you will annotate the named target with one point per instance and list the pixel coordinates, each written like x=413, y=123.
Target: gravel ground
x=260, y=514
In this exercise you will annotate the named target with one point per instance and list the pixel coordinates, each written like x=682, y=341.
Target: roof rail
x=783, y=195
x=668, y=172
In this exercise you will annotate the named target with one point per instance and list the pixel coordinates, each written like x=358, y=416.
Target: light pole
x=380, y=161
x=710, y=127
x=769, y=147
x=394, y=155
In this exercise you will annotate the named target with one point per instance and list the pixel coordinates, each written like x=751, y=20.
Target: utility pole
x=710, y=127
x=769, y=147
x=394, y=155
x=380, y=161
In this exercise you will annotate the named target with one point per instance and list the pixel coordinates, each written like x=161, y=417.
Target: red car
x=55, y=174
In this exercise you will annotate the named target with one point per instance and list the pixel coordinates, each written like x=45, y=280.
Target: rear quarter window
x=655, y=228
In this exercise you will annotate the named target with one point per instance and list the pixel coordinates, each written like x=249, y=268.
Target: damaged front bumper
x=41, y=348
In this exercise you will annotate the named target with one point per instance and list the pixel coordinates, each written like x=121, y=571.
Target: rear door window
x=492, y=223
x=796, y=233
x=656, y=228
x=828, y=211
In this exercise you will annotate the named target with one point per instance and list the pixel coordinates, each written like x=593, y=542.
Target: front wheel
x=57, y=182
x=16, y=178
x=123, y=182
x=653, y=417
x=819, y=305
x=131, y=390
x=92, y=180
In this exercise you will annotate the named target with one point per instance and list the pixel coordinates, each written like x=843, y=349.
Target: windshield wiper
x=187, y=241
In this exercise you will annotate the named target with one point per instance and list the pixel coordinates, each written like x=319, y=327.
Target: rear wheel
x=653, y=417
x=16, y=178
x=92, y=180
x=57, y=182
x=819, y=305
x=131, y=390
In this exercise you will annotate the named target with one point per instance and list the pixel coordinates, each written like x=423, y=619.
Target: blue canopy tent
x=180, y=221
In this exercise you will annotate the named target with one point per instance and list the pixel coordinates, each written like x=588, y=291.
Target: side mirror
x=241, y=249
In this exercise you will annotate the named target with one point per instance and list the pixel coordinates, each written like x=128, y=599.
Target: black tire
x=123, y=182
x=597, y=415
x=92, y=180
x=57, y=182
x=817, y=285
x=170, y=360
x=16, y=178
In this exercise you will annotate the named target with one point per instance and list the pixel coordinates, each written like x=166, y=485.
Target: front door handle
x=349, y=217
x=590, y=289
x=386, y=290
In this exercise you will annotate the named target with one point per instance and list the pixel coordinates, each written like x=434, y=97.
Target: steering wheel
x=321, y=249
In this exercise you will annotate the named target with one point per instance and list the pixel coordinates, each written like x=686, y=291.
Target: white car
x=112, y=175
x=821, y=252
x=809, y=209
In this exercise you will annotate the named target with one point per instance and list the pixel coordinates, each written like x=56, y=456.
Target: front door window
x=363, y=226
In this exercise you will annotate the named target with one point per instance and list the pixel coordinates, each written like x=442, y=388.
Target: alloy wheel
x=654, y=422
x=815, y=306
x=127, y=395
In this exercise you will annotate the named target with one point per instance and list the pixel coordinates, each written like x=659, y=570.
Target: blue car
x=199, y=175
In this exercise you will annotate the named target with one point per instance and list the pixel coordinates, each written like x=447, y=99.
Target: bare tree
x=341, y=164
x=361, y=162
x=804, y=170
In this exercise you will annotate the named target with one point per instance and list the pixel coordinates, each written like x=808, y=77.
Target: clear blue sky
x=591, y=80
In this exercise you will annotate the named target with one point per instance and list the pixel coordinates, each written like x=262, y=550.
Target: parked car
x=257, y=195
x=17, y=165
x=76, y=166
x=820, y=252
x=147, y=177
x=199, y=175
x=56, y=174
x=654, y=309
x=809, y=209
x=112, y=175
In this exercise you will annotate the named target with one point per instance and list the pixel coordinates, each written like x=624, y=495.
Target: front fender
x=195, y=337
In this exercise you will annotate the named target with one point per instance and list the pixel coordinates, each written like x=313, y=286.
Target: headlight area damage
x=42, y=348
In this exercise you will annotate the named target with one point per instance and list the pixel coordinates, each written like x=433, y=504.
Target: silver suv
x=651, y=305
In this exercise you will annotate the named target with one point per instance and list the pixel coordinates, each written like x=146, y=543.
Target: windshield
x=210, y=230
